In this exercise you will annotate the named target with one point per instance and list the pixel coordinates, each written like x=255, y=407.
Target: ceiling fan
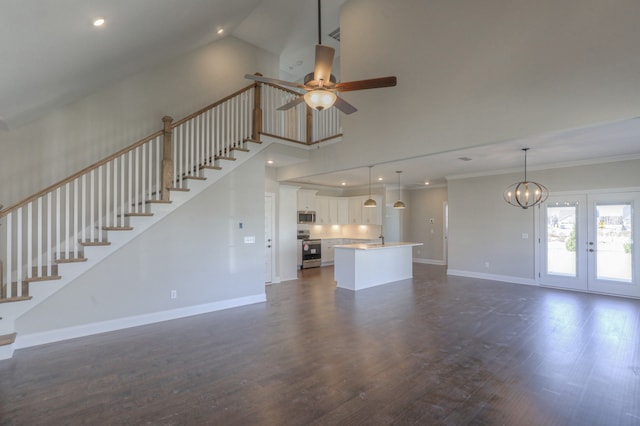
x=321, y=86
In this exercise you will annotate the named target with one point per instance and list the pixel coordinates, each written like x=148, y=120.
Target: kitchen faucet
x=381, y=236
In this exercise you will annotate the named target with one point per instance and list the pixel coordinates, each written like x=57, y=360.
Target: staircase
x=54, y=236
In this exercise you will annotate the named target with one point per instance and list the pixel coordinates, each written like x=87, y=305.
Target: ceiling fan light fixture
x=320, y=99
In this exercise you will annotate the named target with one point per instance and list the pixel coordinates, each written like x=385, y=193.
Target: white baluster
x=9, y=266
x=29, y=240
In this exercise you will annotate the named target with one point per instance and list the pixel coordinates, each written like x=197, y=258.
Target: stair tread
x=95, y=243
x=137, y=214
x=195, y=178
x=15, y=299
x=179, y=189
x=222, y=157
x=8, y=339
x=71, y=259
x=117, y=228
x=45, y=278
x=253, y=140
x=211, y=167
x=158, y=201
x=239, y=148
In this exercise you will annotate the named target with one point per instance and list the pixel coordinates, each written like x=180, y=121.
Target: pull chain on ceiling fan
x=321, y=86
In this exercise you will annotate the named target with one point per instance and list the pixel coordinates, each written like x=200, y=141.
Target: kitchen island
x=358, y=266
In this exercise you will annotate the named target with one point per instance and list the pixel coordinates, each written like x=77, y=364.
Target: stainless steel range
x=311, y=253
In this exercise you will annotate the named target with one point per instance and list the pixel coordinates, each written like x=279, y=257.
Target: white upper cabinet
x=343, y=211
x=307, y=200
x=355, y=210
x=323, y=216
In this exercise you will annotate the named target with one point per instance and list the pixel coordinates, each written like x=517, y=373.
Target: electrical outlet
x=174, y=294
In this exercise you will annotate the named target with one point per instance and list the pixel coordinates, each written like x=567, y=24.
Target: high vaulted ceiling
x=52, y=55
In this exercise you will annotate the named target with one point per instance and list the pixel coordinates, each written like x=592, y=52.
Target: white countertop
x=376, y=246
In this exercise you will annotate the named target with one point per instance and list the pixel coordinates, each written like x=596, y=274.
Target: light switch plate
x=250, y=240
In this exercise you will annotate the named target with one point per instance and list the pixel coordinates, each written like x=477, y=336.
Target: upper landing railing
x=55, y=224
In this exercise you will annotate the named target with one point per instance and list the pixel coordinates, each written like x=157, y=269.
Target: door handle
x=591, y=250
x=269, y=246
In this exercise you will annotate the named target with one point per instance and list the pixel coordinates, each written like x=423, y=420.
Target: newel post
x=257, y=110
x=309, y=125
x=167, y=161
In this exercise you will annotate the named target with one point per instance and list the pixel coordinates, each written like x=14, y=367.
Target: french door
x=586, y=242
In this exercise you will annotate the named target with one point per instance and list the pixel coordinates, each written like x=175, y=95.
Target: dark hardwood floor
x=432, y=350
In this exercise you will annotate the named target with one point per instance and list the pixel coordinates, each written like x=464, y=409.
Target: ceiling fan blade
x=291, y=104
x=372, y=83
x=324, y=62
x=344, y=106
x=274, y=81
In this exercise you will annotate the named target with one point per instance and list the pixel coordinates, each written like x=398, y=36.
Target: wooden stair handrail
x=4, y=212
x=79, y=174
x=213, y=105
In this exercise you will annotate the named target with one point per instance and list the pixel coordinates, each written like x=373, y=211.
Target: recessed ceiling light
x=98, y=22
x=343, y=183
x=269, y=161
x=220, y=30
x=426, y=183
x=380, y=178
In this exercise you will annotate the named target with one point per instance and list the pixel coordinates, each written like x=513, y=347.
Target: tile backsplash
x=368, y=232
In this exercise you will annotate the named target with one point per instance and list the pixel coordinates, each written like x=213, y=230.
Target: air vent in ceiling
x=335, y=34
x=464, y=158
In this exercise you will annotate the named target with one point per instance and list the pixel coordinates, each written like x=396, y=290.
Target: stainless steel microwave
x=306, y=217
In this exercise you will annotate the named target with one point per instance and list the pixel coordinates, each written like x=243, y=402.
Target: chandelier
x=525, y=194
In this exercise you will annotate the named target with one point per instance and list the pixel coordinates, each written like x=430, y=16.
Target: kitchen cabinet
x=355, y=210
x=323, y=216
x=343, y=211
x=332, y=210
x=307, y=200
x=328, y=250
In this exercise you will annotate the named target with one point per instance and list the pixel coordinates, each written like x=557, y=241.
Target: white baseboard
x=429, y=261
x=41, y=338
x=493, y=277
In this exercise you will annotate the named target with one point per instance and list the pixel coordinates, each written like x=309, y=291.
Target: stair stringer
x=69, y=272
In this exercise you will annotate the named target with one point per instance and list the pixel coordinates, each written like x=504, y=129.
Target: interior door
x=586, y=243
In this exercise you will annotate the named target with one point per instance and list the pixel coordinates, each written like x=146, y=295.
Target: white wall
x=471, y=73
x=72, y=137
x=484, y=228
x=427, y=204
x=287, y=233
x=197, y=250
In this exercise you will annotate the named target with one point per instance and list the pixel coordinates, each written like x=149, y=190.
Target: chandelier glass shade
x=399, y=204
x=370, y=202
x=320, y=99
x=527, y=193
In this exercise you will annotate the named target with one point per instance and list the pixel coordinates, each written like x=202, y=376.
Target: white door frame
x=585, y=235
x=272, y=233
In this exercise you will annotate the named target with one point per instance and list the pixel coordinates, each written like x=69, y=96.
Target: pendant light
x=399, y=204
x=525, y=194
x=370, y=202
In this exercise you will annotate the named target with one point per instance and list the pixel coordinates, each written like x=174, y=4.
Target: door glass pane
x=613, y=242
x=561, y=240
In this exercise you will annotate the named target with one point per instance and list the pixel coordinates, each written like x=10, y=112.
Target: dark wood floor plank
x=431, y=350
